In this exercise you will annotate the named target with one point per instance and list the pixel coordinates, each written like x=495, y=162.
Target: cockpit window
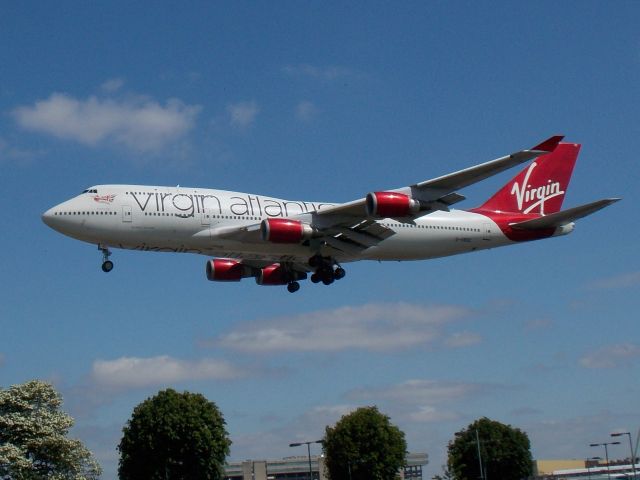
x=90, y=190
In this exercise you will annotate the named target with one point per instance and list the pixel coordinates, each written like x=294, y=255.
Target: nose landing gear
x=107, y=265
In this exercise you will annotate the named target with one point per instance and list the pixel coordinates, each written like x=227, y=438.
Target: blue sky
x=324, y=101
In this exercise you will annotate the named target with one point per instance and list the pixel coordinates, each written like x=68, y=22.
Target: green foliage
x=364, y=445
x=174, y=436
x=505, y=452
x=33, y=437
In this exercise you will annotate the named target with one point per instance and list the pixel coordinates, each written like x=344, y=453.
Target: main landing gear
x=327, y=270
x=107, y=265
x=293, y=287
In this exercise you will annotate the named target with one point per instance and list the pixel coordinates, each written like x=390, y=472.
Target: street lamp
x=606, y=453
x=308, y=444
x=633, y=460
x=483, y=475
x=483, y=471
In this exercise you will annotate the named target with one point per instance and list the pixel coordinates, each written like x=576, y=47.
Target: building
x=547, y=467
x=297, y=468
x=582, y=470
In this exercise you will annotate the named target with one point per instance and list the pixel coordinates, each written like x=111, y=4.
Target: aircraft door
x=486, y=231
x=206, y=217
x=126, y=214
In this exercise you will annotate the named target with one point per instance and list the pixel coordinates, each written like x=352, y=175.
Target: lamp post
x=606, y=453
x=308, y=444
x=482, y=472
x=633, y=460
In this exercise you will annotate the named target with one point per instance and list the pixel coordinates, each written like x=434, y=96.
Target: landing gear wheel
x=107, y=266
x=293, y=287
x=315, y=277
x=327, y=277
x=339, y=273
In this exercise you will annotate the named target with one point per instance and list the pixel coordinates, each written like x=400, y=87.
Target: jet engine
x=225, y=270
x=284, y=230
x=390, y=205
x=277, y=275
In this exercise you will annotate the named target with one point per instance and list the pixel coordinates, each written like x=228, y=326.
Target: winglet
x=550, y=144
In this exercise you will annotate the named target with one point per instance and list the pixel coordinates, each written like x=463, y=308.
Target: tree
x=364, y=445
x=505, y=452
x=174, y=436
x=33, y=437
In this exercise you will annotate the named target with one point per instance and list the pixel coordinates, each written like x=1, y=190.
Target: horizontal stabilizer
x=564, y=217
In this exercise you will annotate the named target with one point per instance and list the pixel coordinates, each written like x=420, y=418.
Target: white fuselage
x=178, y=219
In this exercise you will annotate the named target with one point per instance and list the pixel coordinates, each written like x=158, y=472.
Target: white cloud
x=626, y=280
x=428, y=414
x=418, y=392
x=133, y=372
x=112, y=85
x=242, y=114
x=328, y=73
x=462, y=339
x=419, y=400
x=305, y=111
x=139, y=124
x=611, y=356
x=368, y=327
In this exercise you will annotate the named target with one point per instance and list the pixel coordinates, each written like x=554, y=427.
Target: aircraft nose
x=47, y=217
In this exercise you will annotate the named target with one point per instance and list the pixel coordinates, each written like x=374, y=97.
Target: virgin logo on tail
x=526, y=193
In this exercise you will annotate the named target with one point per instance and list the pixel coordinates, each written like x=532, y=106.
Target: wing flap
x=344, y=245
x=564, y=217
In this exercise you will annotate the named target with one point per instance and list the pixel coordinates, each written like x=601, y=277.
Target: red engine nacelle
x=272, y=275
x=277, y=275
x=225, y=270
x=284, y=230
x=390, y=204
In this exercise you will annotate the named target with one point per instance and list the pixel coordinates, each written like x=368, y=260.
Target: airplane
x=279, y=242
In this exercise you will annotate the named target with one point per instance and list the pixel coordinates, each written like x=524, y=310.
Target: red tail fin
x=539, y=188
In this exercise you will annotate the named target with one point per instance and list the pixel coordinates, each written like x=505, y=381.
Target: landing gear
x=293, y=287
x=327, y=270
x=107, y=265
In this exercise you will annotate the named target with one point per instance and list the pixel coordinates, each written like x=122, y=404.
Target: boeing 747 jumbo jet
x=278, y=242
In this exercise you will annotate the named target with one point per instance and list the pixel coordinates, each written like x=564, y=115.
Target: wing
x=440, y=193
